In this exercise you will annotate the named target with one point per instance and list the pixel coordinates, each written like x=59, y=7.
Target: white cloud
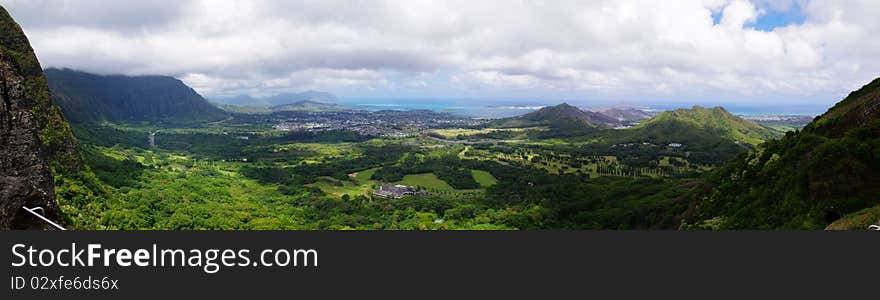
x=621, y=49
x=738, y=13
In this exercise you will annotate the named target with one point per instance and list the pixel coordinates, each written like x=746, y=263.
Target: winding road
x=152, y=138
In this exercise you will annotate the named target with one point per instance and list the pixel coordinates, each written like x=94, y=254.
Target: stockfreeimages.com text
x=210, y=260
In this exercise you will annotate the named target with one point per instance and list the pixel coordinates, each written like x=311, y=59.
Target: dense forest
x=805, y=180
x=209, y=178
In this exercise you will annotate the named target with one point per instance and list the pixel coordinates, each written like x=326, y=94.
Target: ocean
x=462, y=108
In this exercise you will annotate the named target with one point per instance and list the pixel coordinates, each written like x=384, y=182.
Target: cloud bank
x=627, y=50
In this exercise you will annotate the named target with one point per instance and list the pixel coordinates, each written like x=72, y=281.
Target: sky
x=779, y=52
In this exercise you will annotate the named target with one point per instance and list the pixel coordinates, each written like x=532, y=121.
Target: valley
x=325, y=166
x=321, y=169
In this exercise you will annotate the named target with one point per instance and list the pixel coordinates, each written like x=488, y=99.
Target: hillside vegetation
x=805, y=180
x=716, y=122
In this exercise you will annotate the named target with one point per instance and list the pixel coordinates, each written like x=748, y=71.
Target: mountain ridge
x=86, y=97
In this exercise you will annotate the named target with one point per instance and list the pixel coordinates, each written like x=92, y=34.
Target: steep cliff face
x=25, y=176
x=34, y=137
x=86, y=98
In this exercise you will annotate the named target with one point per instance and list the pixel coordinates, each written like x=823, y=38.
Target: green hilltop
x=562, y=117
x=704, y=121
x=568, y=113
x=709, y=136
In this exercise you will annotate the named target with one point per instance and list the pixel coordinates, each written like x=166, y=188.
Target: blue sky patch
x=772, y=19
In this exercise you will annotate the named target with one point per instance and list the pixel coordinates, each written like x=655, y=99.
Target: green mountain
x=563, y=119
x=805, y=180
x=705, y=136
x=685, y=124
x=568, y=113
x=85, y=97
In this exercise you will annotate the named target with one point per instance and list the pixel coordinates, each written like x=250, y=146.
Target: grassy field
x=364, y=176
x=463, y=132
x=858, y=220
x=332, y=186
x=361, y=184
x=485, y=179
x=311, y=153
x=426, y=180
x=783, y=128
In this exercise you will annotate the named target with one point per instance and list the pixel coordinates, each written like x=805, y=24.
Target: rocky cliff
x=34, y=137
